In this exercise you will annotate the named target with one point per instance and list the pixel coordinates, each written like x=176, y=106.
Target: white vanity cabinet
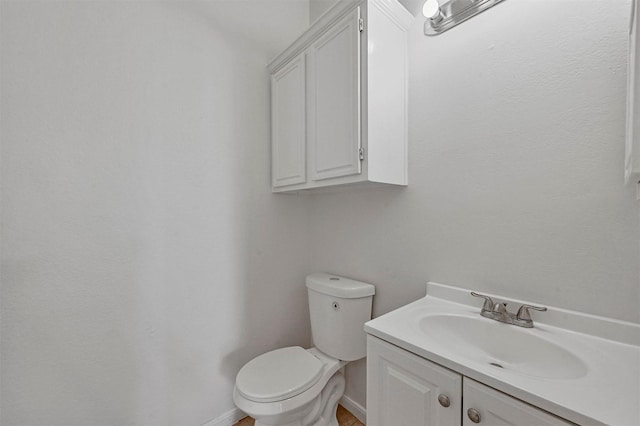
x=339, y=100
x=404, y=389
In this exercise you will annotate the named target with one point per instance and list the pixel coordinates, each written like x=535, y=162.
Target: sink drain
x=495, y=364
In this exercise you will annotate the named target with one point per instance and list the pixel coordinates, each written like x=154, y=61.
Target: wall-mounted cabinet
x=339, y=100
x=404, y=389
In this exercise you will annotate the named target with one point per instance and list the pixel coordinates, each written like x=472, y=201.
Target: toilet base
x=321, y=411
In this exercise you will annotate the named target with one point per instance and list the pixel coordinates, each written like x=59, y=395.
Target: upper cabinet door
x=334, y=100
x=288, y=124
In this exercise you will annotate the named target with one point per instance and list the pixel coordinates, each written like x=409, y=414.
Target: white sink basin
x=502, y=346
x=580, y=367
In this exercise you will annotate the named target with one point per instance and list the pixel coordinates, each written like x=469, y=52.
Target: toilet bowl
x=293, y=386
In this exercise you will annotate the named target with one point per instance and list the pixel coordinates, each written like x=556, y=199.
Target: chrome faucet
x=498, y=311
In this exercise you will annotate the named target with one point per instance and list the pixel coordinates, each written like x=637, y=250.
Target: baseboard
x=356, y=409
x=229, y=418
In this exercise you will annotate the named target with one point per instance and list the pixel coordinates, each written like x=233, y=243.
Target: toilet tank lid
x=336, y=286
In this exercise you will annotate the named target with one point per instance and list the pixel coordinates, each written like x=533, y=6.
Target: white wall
x=144, y=259
x=516, y=134
x=318, y=7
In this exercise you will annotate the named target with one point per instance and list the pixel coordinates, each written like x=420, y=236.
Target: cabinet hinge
x=361, y=153
x=361, y=24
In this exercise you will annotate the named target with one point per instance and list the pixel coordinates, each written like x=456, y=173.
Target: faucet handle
x=500, y=307
x=488, y=302
x=523, y=313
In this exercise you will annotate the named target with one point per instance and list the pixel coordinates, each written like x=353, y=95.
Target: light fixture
x=442, y=17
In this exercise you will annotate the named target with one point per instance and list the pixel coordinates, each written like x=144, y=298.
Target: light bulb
x=431, y=9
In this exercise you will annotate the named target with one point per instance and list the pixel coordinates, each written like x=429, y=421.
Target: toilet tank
x=338, y=309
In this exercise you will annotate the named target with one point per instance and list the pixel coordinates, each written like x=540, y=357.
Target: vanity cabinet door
x=406, y=390
x=486, y=406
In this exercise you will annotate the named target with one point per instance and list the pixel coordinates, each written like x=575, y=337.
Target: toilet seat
x=279, y=375
x=330, y=366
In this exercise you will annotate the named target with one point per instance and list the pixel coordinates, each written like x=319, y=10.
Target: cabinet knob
x=444, y=400
x=474, y=415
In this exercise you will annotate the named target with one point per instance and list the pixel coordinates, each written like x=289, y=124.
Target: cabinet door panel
x=334, y=100
x=498, y=409
x=403, y=389
x=288, y=124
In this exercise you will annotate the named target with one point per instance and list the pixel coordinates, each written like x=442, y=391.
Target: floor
x=345, y=418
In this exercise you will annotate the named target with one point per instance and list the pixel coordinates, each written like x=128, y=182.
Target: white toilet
x=301, y=387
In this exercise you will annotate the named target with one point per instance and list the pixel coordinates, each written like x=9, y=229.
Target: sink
x=577, y=366
x=501, y=346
